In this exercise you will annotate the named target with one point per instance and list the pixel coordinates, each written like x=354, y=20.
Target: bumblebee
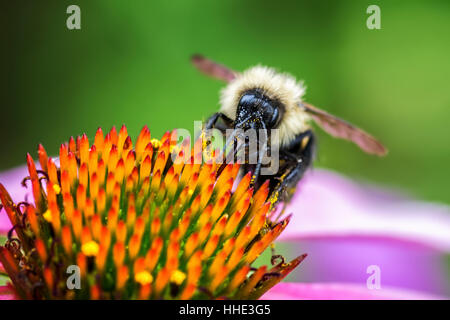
x=262, y=98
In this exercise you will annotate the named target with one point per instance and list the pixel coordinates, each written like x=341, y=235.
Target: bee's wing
x=342, y=129
x=213, y=69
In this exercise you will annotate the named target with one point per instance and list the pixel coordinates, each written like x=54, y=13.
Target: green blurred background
x=129, y=64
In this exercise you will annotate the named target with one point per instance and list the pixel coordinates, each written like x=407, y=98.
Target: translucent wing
x=212, y=69
x=342, y=129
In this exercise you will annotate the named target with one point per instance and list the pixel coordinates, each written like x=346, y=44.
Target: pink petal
x=347, y=260
x=339, y=291
x=328, y=205
x=6, y=293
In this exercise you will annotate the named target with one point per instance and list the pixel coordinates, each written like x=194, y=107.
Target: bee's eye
x=270, y=114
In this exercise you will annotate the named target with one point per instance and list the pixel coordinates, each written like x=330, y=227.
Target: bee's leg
x=302, y=148
x=226, y=123
x=211, y=122
x=298, y=157
x=257, y=171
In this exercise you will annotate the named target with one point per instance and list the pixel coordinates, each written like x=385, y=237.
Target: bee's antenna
x=235, y=132
x=232, y=139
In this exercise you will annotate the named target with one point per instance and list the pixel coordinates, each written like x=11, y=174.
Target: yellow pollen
x=143, y=277
x=177, y=277
x=47, y=215
x=156, y=143
x=57, y=188
x=205, y=142
x=175, y=148
x=90, y=248
x=273, y=198
x=190, y=192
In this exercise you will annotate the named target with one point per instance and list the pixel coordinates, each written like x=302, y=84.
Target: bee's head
x=256, y=110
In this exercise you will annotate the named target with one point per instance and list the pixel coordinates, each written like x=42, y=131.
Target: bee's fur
x=277, y=86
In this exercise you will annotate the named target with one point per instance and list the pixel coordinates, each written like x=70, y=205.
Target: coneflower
x=142, y=222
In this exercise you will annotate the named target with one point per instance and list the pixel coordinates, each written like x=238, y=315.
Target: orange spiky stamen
x=82, y=264
x=218, y=279
x=220, y=206
x=152, y=256
x=41, y=249
x=95, y=292
x=121, y=231
x=139, y=225
x=134, y=246
x=66, y=236
x=118, y=254
x=188, y=292
x=48, y=277
x=191, y=244
x=161, y=280
x=122, y=277
x=101, y=257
